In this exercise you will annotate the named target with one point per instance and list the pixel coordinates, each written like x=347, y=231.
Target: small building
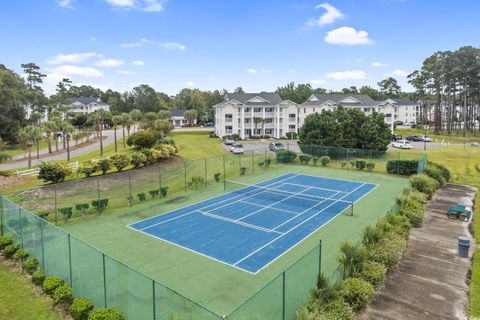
x=179, y=120
x=404, y=111
x=86, y=105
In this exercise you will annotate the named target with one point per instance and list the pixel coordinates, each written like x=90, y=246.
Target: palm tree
x=352, y=258
x=29, y=135
x=3, y=155
x=190, y=115
x=125, y=120
x=136, y=115
x=163, y=126
x=49, y=127
x=116, y=121
x=68, y=130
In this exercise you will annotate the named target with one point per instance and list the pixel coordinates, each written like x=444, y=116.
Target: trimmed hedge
x=388, y=251
x=38, y=277
x=80, y=308
x=52, y=283
x=424, y=184
x=106, y=314
x=444, y=171
x=373, y=272
x=5, y=241
x=30, y=265
x=435, y=173
x=357, y=293
x=285, y=156
x=63, y=295
x=402, y=167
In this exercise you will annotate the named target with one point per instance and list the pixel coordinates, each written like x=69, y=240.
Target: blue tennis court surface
x=253, y=225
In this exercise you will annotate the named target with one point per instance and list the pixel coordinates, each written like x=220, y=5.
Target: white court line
x=319, y=188
x=267, y=244
x=245, y=224
x=190, y=212
x=259, y=205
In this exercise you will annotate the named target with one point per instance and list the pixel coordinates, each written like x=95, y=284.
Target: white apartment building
x=255, y=114
x=86, y=105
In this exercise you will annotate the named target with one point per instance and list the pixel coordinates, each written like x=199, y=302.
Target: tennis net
x=276, y=193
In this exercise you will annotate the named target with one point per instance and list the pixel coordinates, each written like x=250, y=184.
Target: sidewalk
x=430, y=282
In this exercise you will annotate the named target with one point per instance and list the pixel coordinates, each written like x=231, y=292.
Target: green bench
x=459, y=211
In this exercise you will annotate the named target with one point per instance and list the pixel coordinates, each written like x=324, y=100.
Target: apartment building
x=400, y=110
x=255, y=114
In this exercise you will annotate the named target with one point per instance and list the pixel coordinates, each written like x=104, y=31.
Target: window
x=268, y=131
x=268, y=109
x=291, y=117
x=247, y=120
x=304, y=110
x=366, y=109
x=248, y=109
x=228, y=118
x=228, y=129
x=314, y=110
x=291, y=128
x=257, y=109
x=268, y=120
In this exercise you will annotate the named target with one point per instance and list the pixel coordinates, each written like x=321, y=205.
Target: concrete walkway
x=430, y=282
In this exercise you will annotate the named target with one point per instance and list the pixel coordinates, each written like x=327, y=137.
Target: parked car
x=396, y=137
x=275, y=146
x=213, y=135
x=228, y=141
x=208, y=124
x=234, y=145
x=425, y=139
x=238, y=149
x=402, y=144
x=413, y=138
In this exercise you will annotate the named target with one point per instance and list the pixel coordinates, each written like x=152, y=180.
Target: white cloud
x=397, y=73
x=174, y=46
x=269, y=70
x=139, y=63
x=252, y=71
x=142, y=5
x=139, y=43
x=126, y=72
x=71, y=58
x=67, y=70
x=379, y=64
x=343, y=75
x=347, y=36
x=110, y=62
x=261, y=70
x=318, y=82
x=292, y=71
x=330, y=16
x=65, y=4
x=190, y=84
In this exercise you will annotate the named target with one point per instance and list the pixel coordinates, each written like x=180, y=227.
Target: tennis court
x=252, y=225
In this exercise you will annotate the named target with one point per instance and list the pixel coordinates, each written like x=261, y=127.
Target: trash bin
x=463, y=247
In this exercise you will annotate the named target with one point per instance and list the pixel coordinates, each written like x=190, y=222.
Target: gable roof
x=178, y=112
x=403, y=102
x=340, y=99
x=84, y=100
x=270, y=98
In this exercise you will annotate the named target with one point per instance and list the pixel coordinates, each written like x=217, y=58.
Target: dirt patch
x=10, y=182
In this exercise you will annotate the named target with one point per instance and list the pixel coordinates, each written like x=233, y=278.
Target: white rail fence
x=34, y=171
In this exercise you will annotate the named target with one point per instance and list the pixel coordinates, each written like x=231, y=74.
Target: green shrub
x=10, y=250
x=43, y=214
x=5, y=241
x=88, y=168
x=130, y=200
x=100, y=205
x=154, y=193
x=268, y=162
x=63, y=295
x=21, y=255
x=142, y=196
x=435, y=173
x=53, y=171
x=66, y=212
x=388, y=251
x=325, y=160
x=285, y=156
x=291, y=135
x=243, y=170
x=261, y=164
x=370, y=166
x=145, y=139
x=444, y=171
x=106, y=314
x=371, y=235
x=402, y=167
x=344, y=164
x=137, y=159
x=38, y=277
x=196, y=182
x=401, y=224
x=337, y=310
x=412, y=209
x=372, y=272
x=424, y=184
x=360, y=164
x=30, y=265
x=80, y=308
x=163, y=191
x=52, y=283
x=216, y=176
x=304, y=158
x=357, y=293
x=82, y=207
x=120, y=160
x=104, y=165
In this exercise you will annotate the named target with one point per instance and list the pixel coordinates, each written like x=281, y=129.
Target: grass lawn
x=195, y=145
x=474, y=304
x=19, y=299
x=21, y=149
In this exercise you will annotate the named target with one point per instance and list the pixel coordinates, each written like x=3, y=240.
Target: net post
x=70, y=260
x=21, y=224
x=283, y=295
x=55, y=204
x=224, y=172
x=154, y=299
x=104, y=281
x=206, y=179
x=1, y=216
x=320, y=256
x=185, y=173
x=352, y=207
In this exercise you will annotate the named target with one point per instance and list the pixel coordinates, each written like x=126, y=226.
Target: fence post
x=154, y=298
x=130, y=190
x=239, y=163
x=43, y=246
x=320, y=256
x=55, y=204
x=206, y=179
x=398, y=163
x=348, y=160
x=1, y=216
x=224, y=174
x=70, y=260
x=185, y=167
x=253, y=161
x=104, y=280
x=159, y=176
x=265, y=160
x=283, y=295
x=21, y=224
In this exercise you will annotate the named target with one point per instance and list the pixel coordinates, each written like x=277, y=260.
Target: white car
x=402, y=144
x=238, y=149
x=228, y=141
x=234, y=145
x=425, y=139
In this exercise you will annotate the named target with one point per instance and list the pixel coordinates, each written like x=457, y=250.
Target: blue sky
x=217, y=44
